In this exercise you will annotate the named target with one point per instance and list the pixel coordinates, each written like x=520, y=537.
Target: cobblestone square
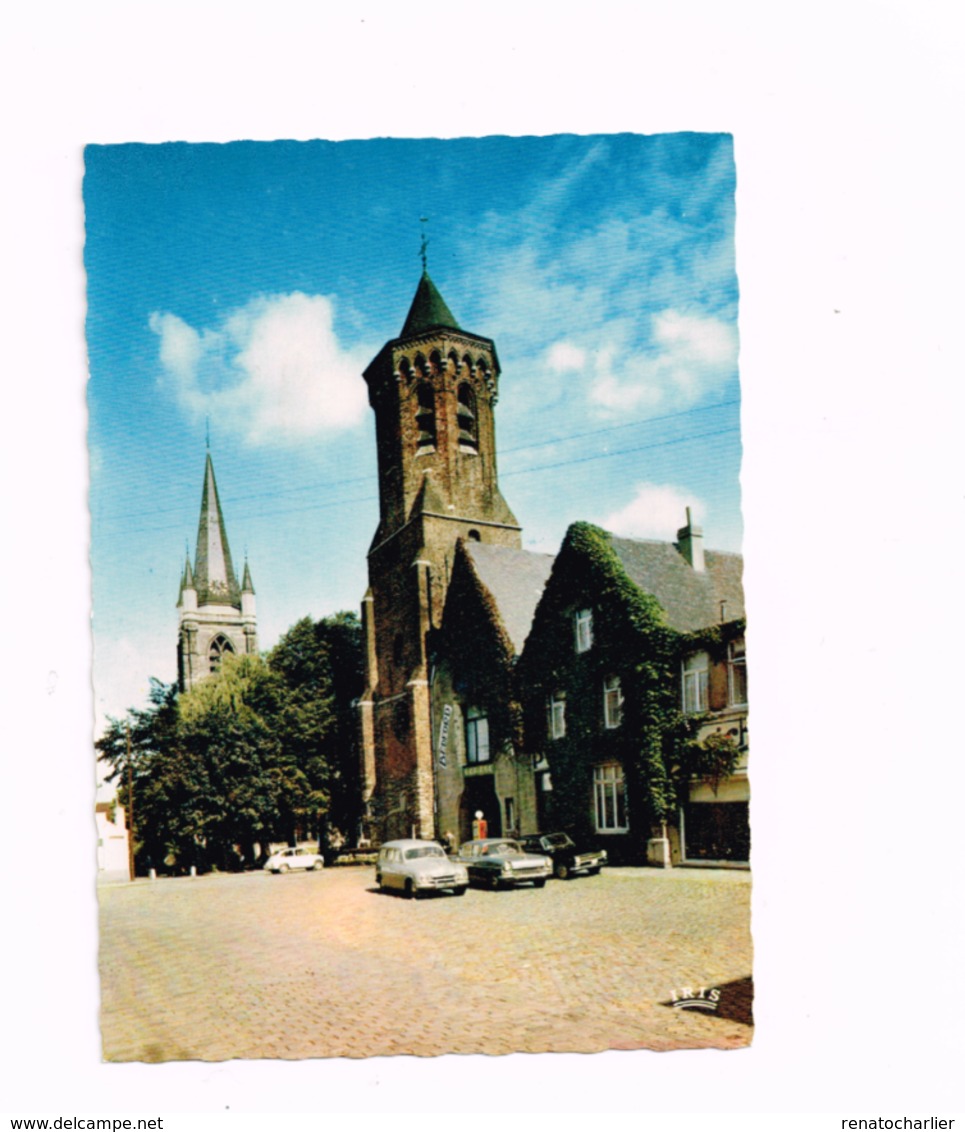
x=323, y=965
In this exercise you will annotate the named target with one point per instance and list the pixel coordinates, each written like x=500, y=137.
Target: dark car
x=567, y=859
x=500, y=862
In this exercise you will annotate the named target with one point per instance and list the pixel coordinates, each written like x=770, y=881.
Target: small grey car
x=417, y=867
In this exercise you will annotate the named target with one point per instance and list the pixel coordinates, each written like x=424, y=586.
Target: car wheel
x=459, y=891
x=283, y=868
x=411, y=892
x=317, y=865
x=494, y=882
x=560, y=871
x=593, y=872
x=539, y=883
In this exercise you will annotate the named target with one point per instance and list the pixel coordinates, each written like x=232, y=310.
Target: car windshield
x=557, y=841
x=504, y=849
x=424, y=851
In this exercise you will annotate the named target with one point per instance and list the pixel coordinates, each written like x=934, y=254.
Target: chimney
x=690, y=543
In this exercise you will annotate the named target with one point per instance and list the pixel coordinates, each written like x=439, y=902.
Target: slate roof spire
x=428, y=310
x=214, y=573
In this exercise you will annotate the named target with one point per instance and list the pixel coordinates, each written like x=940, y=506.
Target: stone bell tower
x=216, y=615
x=433, y=390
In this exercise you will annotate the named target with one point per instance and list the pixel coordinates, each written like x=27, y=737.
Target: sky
x=236, y=292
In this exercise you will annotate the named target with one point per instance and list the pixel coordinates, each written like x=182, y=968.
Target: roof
x=515, y=579
x=214, y=574
x=428, y=310
x=690, y=599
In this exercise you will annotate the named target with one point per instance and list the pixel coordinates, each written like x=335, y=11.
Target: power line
x=231, y=500
x=315, y=506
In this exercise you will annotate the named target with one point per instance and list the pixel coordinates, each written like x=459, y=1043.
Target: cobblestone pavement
x=322, y=965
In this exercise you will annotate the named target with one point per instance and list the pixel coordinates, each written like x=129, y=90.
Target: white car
x=416, y=867
x=296, y=858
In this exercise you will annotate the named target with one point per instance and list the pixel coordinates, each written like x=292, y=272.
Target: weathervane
x=425, y=241
x=207, y=433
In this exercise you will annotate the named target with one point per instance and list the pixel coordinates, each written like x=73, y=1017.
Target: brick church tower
x=433, y=390
x=216, y=615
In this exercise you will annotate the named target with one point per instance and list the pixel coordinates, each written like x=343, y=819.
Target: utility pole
x=130, y=807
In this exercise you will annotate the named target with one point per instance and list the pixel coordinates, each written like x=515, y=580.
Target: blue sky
x=248, y=285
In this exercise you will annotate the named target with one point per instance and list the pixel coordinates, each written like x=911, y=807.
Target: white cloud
x=564, y=356
x=656, y=511
x=122, y=673
x=272, y=371
x=690, y=357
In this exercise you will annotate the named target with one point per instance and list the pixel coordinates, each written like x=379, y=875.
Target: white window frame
x=736, y=659
x=695, y=683
x=556, y=716
x=612, y=702
x=477, y=737
x=583, y=629
x=609, y=799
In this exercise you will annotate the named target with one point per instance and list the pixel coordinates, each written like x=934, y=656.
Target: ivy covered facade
x=633, y=689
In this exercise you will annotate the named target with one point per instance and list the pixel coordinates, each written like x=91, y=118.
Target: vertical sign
x=444, y=734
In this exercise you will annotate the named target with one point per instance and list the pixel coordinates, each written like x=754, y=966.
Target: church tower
x=216, y=615
x=433, y=390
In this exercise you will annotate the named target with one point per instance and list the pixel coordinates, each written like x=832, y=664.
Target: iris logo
x=703, y=998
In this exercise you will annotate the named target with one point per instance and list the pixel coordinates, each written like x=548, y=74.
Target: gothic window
x=217, y=649
x=477, y=736
x=466, y=417
x=425, y=417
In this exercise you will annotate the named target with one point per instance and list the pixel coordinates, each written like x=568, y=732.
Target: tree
x=261, y=751
x=321, y=666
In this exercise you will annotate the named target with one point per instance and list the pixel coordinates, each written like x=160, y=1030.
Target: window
x=556, y=716
x=477, y=736
x=216, y=650
x=466, y=417
x=736, y=673
x=695, y=683
x=609, y=798
x=510, y=808
x=425, y=417
x=583, y=625
x=612, y=702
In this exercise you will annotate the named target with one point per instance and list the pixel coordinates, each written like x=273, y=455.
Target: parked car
x=416, y=867
x=567, y=859
x=294, y=858
x=499, y=861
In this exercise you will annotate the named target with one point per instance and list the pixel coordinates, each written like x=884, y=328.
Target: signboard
x=444, y=734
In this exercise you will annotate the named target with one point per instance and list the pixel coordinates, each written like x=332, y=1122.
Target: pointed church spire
x=428, y=309
x=214, y=574
x=246, y=586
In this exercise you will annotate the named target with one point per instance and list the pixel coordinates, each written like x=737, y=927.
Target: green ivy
x=633, y=641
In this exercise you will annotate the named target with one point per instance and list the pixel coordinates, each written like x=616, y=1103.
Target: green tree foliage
x=258, y=752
